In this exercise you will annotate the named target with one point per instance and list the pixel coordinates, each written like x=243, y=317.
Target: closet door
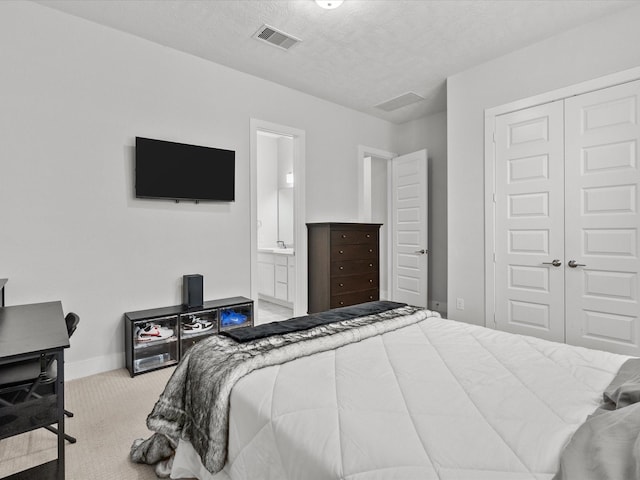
x=602, y=221
x=529, y=222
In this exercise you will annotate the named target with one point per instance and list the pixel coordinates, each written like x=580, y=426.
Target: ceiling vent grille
x=276, y=37
x=400, y=101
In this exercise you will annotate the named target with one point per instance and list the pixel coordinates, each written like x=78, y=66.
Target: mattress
x=437, y=399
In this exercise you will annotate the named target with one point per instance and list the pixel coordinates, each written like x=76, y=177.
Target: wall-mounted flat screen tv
x=183, y=172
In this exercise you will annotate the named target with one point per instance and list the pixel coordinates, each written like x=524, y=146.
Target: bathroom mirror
x=285, y=215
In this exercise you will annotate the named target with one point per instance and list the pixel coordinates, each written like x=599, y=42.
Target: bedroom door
x=602, y=219
x=409, y=212
x=529, y=222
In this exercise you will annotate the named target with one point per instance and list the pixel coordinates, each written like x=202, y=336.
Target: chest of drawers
x=343, y=264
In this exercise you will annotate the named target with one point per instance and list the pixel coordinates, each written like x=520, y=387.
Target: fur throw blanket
x=195, y=403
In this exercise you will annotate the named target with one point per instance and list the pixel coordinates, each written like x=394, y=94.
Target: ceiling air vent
x=400, y=101
x=276, y=37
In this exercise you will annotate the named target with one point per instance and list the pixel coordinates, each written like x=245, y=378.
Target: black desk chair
x=20, y=381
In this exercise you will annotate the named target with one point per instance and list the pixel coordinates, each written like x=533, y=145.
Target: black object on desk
x=27, y=332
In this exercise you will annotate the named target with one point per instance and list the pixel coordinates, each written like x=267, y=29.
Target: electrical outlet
x=460, y=303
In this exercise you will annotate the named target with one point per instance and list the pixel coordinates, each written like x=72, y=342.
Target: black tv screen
x=183, y=172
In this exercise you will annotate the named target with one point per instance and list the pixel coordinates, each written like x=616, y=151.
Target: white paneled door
x=529, y=222
x=409, y=207
x=602, y=221
x=566, y=222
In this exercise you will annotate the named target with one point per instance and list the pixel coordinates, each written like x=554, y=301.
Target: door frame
x=299, y=209
x=490, y=115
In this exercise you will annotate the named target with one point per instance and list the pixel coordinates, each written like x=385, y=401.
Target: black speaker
x=192, y=290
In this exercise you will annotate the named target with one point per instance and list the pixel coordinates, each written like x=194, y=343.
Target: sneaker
x=164, y=332
x=231, y=317
x=191, y=328
x=197, y=326
x=153, y=332
x=147, y=333
x=206, y=324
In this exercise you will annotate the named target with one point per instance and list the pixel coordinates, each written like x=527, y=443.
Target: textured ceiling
x=359, y=55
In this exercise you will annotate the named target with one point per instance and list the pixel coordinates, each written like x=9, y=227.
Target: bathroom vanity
x=276, y=275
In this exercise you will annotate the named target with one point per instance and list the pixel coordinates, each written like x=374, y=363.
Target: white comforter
x=435, y=400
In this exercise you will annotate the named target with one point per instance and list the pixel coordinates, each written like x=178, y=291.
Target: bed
x=399, y=393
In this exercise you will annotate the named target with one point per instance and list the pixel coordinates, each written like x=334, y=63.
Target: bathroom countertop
x=277, y=250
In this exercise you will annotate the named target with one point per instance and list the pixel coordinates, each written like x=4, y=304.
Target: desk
x=28, y=331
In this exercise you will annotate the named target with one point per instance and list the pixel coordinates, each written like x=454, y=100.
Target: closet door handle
x=555, y=263
x=573, y=264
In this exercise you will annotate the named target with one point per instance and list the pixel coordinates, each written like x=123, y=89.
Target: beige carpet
x=110, y=411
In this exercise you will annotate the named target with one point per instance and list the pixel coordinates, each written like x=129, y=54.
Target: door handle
x=555, y=263
x=573, y=264
x=421, y=252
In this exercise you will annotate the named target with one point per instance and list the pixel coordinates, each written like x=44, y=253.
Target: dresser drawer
x=354, y=252
x=347, y=237
x=353, y=283
x=352, y=267
x=354, y=298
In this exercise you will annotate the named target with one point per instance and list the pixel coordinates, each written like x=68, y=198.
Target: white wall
x=431, y=133
x=73, y=97
x=594, y=50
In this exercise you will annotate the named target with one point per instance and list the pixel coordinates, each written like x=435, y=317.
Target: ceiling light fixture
x=329, y=4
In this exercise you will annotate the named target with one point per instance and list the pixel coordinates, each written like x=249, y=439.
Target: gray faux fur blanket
x=195, y=403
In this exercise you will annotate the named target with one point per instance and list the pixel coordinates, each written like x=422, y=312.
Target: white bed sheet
x=435, y=400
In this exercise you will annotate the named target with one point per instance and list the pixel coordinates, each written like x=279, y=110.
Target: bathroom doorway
x=278, y=230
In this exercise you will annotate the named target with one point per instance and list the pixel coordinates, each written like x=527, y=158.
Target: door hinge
x=494, y=198
x=494, y=257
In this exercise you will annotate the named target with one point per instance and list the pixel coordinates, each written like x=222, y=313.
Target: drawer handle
x=341, y=284
x=368, y=235
x=341, y=303
x=370, y=250
x=341, y=267
x=371, y=280
x=370, y=297
x=344, y=235
x=341, y=252
x=371, y=264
